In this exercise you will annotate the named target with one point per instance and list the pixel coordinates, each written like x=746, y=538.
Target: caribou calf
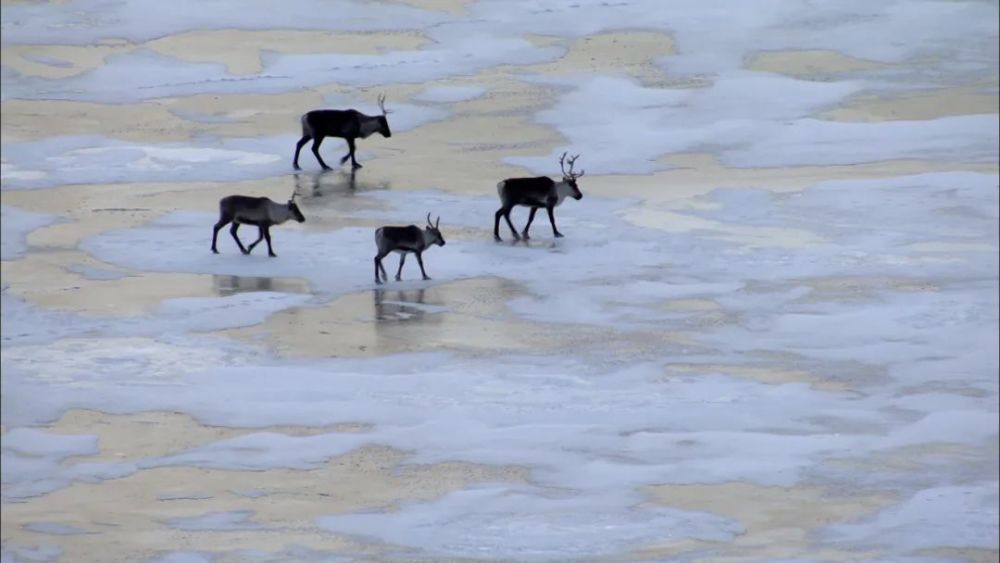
x=404, y=240
x=258, y=211
x=347, y=124
x=536, y=193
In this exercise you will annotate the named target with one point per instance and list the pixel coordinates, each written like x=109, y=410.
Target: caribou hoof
x=559, y=235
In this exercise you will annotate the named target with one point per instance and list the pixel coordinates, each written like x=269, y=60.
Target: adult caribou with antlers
x=260, y=212
x=349, y=124
x=536, y=193
x=404, y=240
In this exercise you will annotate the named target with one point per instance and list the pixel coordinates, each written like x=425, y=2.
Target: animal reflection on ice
x=399, y=305
x=226, y=285
x=333, y=182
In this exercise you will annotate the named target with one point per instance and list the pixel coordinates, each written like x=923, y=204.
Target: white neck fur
x=279, y=213
x=563, y=189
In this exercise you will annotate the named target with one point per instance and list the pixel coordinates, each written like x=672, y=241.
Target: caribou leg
x=317, y=141
x=350, y=155
x=505, y=213
x=298, y=147
x=267, y=237
x=232, y=231
x=399, y=272
x=531, y=217
x=420, y=261
x=378, y=265
x=552, y=219
x=260, y=237
x=215, y=231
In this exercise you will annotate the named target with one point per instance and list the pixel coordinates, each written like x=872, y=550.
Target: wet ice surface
x=55, y=528
x=747, y=118
x=173, y=317
x=83, y=159
x=215, y=521
x=923, y=520
x=919, y=365
x=16, y=224
x=184, y=557
x=15, y=553
x=525, y=526
x=777, y=131
x=888, y=304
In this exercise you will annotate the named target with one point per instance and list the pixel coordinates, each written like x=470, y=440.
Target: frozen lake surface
x=789, y=353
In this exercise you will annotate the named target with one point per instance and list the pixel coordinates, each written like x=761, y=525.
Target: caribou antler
x=429, y=224
x=381, y=104
x=438, y=222
x=572, y=175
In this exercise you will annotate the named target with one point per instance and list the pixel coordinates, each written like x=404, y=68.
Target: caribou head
x=431, y=232
x=383, y=121
x=569, y=177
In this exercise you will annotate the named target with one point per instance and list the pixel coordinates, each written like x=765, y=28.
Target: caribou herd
x=535, y=193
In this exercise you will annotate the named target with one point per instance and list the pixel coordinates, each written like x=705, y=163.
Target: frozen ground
x=838, y=335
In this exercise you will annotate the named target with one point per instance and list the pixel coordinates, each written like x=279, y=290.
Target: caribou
x=258, y=211
x=347, y=124
x=404, y=240
x=537, y=192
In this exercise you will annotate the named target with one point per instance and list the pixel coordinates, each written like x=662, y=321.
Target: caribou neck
x=279, y=213
x=563, y=189
x=368, y=126
x=426, y=238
